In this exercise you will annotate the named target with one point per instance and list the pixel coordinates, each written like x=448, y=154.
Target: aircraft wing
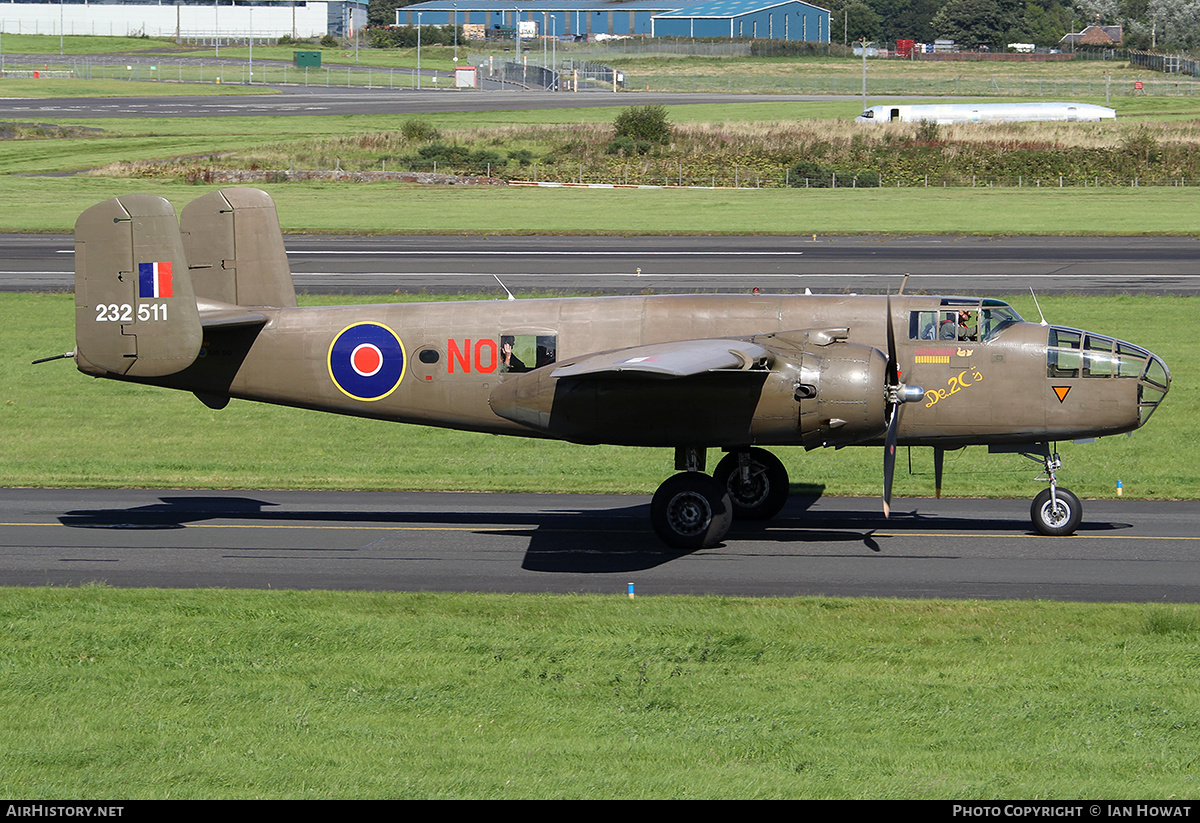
x=675, y=359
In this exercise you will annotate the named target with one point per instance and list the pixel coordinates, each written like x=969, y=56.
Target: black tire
x=1056, y=521
x=767, y=490
x=691, y=511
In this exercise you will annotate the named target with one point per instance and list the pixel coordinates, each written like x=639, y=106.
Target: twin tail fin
x=147, y=284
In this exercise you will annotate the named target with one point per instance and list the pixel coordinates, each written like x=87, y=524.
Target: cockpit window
x=1073, y=353
x=995, y=317
x=1062, y=354
x=962, y=319
x=525, y=352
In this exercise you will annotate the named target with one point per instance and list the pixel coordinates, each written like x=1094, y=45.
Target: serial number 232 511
x=124, y=312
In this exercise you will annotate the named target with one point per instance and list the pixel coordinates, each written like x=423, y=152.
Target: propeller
x=897, y=395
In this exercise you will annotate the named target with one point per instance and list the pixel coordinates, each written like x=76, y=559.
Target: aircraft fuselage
x=443, y=364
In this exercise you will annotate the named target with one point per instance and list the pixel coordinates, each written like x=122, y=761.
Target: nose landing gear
x=1055, y=512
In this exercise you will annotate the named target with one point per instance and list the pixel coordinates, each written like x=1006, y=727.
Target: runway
x=299, y=100
x=615, y=265
x=1126, y=550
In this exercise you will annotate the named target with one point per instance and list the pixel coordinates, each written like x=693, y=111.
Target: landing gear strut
x=1055, y=511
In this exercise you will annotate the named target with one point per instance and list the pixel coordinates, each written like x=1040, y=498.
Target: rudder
x=235, y=249
x=135, y=311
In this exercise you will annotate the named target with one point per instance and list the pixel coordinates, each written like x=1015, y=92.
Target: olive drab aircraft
x=204, y=303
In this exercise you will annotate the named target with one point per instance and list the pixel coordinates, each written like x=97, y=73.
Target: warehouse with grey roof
x=709, y=19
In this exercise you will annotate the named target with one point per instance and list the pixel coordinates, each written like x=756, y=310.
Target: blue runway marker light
x=630, y=591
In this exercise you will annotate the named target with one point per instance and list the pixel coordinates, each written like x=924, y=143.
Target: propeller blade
x=889, y=447
x=889, y=460
x=939, y=459
x=893, y=366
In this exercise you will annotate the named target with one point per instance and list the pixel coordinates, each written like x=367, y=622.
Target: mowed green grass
x=393, y=208
x=54, y=87
x=120, y=694
x=61, y=428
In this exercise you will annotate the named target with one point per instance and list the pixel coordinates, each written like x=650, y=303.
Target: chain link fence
x=550, y=71
x=1166, y=63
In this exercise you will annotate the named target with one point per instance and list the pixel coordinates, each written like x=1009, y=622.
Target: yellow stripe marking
x=733, y=533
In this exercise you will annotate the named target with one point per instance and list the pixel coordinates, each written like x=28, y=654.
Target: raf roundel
x=366, y=361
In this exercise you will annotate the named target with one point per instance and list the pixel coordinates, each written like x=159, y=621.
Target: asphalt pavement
x=1126, y=550
x=956, y=265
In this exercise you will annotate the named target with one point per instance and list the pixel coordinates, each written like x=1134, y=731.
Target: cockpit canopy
x=963, y=318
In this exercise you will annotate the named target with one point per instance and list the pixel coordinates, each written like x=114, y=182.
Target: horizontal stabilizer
x=675, y=359
x=221, y=316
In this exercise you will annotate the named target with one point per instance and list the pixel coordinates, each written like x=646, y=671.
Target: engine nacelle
x=824, y=390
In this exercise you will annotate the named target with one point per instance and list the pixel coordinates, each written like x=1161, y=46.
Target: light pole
x=864, y=90
x=456, y=36
x=418, y=51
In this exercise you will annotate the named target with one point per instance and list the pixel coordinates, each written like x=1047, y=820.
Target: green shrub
x=443, y=153
x=418, y=131
x=648, y=123
x=628, y=147
x=809, y=175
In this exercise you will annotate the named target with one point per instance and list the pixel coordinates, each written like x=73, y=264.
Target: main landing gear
x=1055, y=511
x=692, y=510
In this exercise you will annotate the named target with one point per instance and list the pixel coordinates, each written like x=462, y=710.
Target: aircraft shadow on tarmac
x=576, y=541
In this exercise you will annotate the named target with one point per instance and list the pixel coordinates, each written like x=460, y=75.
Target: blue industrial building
x=760, y=19
x=744, y=18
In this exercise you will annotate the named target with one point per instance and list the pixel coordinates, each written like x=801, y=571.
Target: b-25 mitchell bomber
x=205, y=303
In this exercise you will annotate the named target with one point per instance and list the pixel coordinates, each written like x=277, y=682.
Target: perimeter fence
x=592, y=74
x=679, y=174
x=1165, y=63
x=494, y=169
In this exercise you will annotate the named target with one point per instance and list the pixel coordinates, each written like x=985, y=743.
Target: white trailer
x=944, y=113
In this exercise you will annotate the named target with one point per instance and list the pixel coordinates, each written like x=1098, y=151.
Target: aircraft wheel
x=1056, y=520
x=691, y=511
x=763, y=495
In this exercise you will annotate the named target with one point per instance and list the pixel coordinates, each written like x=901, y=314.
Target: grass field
x=109, y=695
x=124, y=694
x=159, y=154
x=390, y=208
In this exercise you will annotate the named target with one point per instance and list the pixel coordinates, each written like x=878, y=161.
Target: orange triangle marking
x=1061, y=391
